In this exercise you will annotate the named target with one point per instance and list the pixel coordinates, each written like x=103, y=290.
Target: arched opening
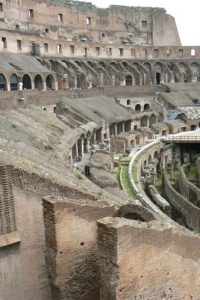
x=26, y=82
x=138, y=107
x=50, y=82
x=38, y=82
x=3, y=82
x=146, y=107
x=133, y=216
x=127, y=126
x=129, y=80
x=158, y=78
x=135, y=212
x=144, y=121
x=150, y=158
x=156, y=155
x=152, y=120
x=13, y=82
x=128, y=102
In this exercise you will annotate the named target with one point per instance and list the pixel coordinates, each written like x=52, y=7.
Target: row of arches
x=38, y=82
x=148, y=121
x=127, y=73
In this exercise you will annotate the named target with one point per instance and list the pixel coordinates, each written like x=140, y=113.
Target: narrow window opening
x=19, y=45
x=72, y=49
x=193, y=52
x=144, y=24
x=1, y=6
x=46, y=47
x=110, y=51
x=97, y=51
x=31, y=13
x=88, y=20
x=121, y=51
x=4, y=42
x=59, y=48
x=60, y=18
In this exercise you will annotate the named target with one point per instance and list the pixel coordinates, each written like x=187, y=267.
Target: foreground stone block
x=151, y=261
x=70, y=231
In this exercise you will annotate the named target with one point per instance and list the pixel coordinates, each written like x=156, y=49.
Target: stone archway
x=3, y=82
x=135, y=212
x=38, y=82
x=146, y=107
x=138, y=108
x=152, y=120
x=129, y=80
x=13, y=82
x=26, y=82
x=144, y=121
x=50, y=82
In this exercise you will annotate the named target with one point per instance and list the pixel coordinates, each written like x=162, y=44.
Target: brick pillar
x=8, y=228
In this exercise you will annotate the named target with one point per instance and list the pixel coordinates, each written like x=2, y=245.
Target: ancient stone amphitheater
x=99, y=154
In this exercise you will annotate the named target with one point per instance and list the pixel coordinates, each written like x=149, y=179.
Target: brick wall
x=70, y=230
x=151, y=261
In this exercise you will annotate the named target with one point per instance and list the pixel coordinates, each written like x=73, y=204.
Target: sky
x=186, y=13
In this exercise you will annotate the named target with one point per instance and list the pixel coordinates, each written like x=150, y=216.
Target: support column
x=56, y=85
x=82, y=147
x=77, y=150
x=44, y=86
x=75, y=82
x=115, y=129
x=8, y=86
x=33, y=85
x=123, y=127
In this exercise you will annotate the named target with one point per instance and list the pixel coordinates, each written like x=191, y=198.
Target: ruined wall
x=165, y=31
x=186, y=208
x=137, y=261
x=188, y=189
x=8, y=228
x=23, y=274
x=70, y=229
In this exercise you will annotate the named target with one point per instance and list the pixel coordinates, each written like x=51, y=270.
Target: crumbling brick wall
x=70, y=230
x=151, y=261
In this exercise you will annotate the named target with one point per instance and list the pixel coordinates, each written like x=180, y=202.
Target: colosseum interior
x=99, y=154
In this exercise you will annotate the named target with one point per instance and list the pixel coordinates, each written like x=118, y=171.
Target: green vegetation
x=126, y=183
x=79, y=176
x=13, y=126
x=192, y=173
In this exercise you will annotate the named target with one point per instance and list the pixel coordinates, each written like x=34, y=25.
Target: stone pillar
x=113, y=80
x=8, y=85
x=101, y=83
x=115, y=129
x=75, y=82
x=123, y=126
x=56, y=85
x=123, y=82
x=44, y=86
x=82, y=147
x=77, y=150
x=33, y=85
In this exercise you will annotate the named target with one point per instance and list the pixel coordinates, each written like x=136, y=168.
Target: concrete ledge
x=9, y=239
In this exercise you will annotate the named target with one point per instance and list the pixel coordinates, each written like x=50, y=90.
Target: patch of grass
x=79, y=176
x=126, y=183
x=99, y=194
x=13, y=126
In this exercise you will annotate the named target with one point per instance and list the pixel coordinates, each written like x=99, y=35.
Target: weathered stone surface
x=70, y=231
x=151, y=261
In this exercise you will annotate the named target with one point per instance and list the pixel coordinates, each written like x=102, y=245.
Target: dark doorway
x=158, y=78
x=26, y=82
x=13, y=82
x=129, y=80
